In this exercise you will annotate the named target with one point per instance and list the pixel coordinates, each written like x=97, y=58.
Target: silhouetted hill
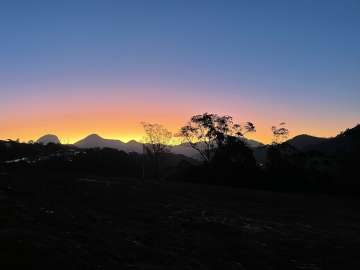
x=346, y=142
x=322, y=165
x=253, y=143
x=304, y=141
x=14, y=151
x=349, y=135
x=185, y=149
x=95, y=141
x=48, y=139
x=134, y=146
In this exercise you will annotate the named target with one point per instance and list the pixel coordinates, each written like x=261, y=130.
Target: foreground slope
x=79, y=222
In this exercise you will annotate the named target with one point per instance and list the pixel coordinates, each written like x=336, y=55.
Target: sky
x=76, y=67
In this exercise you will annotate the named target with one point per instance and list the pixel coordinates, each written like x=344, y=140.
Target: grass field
x=77, y=222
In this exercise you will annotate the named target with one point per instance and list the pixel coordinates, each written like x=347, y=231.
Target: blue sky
x=296, y=58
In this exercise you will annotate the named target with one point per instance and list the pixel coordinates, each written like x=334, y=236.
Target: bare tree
x=156, y=141
x=280, y=133
x=206, y=132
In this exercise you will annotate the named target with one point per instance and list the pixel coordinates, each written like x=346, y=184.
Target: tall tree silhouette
x=275, y=157
x=280, y=133
x=156, y=142
x=207, y=132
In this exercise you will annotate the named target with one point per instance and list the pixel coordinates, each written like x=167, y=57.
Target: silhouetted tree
x=276, y=163
x=207, y=132
x=156, y=142
x=280, y=133
x=233, y=163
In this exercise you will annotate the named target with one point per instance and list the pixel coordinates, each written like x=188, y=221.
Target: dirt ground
x=77, y=222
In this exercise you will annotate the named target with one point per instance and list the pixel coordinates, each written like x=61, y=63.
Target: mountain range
x=344, y=141
x=96, y=141
x=347, y=141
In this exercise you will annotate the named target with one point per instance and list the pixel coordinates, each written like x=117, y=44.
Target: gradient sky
x=76, y=67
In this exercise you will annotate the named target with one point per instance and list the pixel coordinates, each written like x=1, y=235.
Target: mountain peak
x=133, y=142
x=94, y=136
x=305, y=136
x=304, y=141
x=95, y=141
x=49, y=138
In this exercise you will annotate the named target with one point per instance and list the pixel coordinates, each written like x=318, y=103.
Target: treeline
x=23, y=158
x=225, y=158
x=12, y=150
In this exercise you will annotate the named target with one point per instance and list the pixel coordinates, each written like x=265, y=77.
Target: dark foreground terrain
x=77, y=222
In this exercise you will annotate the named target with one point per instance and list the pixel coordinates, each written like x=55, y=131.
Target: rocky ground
x=77, y=222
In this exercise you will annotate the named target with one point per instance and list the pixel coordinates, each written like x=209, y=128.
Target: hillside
x=305, y=142
x=83, y=222
x=346, y=142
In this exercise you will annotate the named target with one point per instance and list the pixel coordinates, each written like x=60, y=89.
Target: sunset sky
x=76, y=67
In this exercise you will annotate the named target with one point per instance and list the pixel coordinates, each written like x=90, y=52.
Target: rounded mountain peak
x=94, y=136
x=49, y=138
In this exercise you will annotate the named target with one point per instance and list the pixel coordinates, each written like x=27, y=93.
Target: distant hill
x=186, y=150
x=134, y=146
x=252, y=143
x=346, y=142
x=95, y=141
x=305, y=142
x=48, y=139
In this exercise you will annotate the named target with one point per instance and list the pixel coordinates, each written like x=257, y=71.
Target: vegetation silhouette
x=225, y=158
x=88, y=207
x=156, y=143
x=207, y=133
x=220, y=142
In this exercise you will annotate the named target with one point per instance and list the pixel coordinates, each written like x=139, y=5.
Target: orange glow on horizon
x=71, y=128
x=119, y=117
